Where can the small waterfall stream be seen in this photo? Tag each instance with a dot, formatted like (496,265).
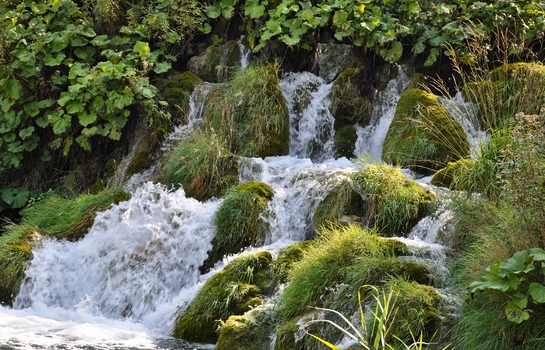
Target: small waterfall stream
(121,286)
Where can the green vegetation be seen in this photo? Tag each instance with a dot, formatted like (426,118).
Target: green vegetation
(239,221)
(202,166)
(348,107)
(15,252)
(423,136)
(232,291)
(250,113)
(248,332)
(395,203)
(340,202)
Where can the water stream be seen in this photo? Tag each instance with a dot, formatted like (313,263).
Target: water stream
(122,286)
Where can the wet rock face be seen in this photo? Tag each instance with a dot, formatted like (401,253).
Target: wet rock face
(217,63)
(331,60)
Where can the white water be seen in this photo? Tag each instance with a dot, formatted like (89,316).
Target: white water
(371,138)
(122,285)
(311,132)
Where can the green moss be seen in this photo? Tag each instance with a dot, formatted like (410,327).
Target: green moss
(417,81)
(343,200)
(15,252)
(232,291)
(248,332)
(423,136)
(416,309)
(287,258)
(250,113)
(286,336)
(345,141)
(177,92)
(202,166)
(347,106)
(445,177)
(239,221)
(395,203)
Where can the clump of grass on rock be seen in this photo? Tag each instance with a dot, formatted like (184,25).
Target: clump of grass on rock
(233,291)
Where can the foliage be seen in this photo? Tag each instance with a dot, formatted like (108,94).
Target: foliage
(16,198)
(387,26)
(523,172)
(395,202)
(202,166)
(240,220)
(233,291)
(250,112)
(514,276)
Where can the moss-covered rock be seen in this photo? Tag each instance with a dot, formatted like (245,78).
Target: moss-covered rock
(286,259)
(394,203)
(250,113)
(446,177)
(233,291)
(286,336)
(342,201)
(15,252)
(239,221)
(423,136)
(347,105)
(217,63)
(177,92)
(345,141)
(202,166)
(250,331)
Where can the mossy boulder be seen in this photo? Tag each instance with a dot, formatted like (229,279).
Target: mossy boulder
(250,113)
(288,336)
(217,63)
(446,177)
(233,291)
(250,331)
(177,91)
(423,136)
(340,202)
(202,166)
(394,203)
(345,142)
(348,106)
(15,253)
(239,221)
(286,259)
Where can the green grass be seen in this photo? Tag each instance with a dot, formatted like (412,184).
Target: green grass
(15,252)
(202,166)
(395,202)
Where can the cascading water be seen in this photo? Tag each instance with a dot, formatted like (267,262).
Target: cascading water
(123,284)
(311,132)
(371,138)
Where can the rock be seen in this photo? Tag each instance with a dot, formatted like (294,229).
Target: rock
(217,63)
(250,331)
(351,97)
(331,60)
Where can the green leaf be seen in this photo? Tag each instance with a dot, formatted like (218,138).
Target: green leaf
(516,314)
(26,132)
(394,53)
(518,263)
(74,107)
(537,291)
(141,48)
(274,27)
(61,122)
(51,61)
(55,144)
(67,145)
(419,47)
(162,67)
(46,155)
(60,40)
(86,118)
(254,8)
(89,52)
(16,197)
(6,103)
(42,122)
(340,18)
(12,88)
(101,41)
(537,254)
(12,160)
(213,11)
(520,300)
(83,142)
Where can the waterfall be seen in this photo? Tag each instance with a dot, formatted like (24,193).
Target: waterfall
(311,132)
(466,114)
(245,54)
(371,138)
